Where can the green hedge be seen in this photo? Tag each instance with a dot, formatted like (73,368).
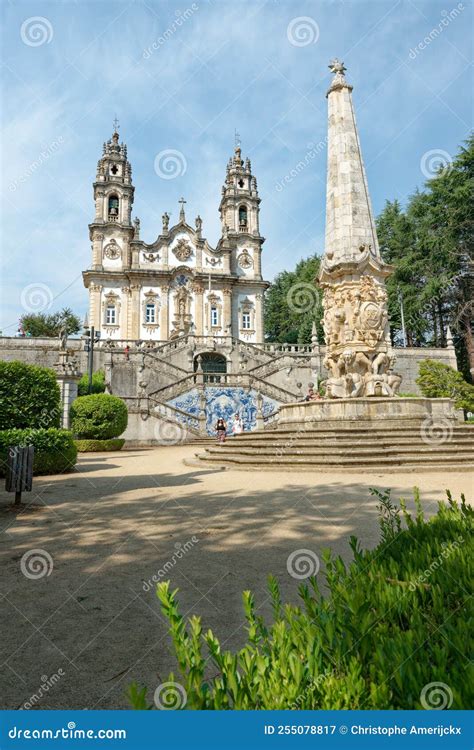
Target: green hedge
(99,416)
(393,622)
(95,446)
(437,380)
(29,396)
(98,383)
(55,451)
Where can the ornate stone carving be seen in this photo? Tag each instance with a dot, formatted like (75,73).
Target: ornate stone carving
(213,261)
(112,250)
(182,322)
(151,257)
(183,250)
(245,260)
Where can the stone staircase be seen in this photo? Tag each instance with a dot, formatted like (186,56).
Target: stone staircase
(319,448)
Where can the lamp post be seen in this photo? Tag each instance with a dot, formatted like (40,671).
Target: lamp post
(91,337)
(402,316)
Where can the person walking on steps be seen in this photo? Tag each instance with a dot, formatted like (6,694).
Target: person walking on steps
(237,425)
(221,429)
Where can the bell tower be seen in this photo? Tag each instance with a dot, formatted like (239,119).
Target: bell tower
(111,229)
(239,207)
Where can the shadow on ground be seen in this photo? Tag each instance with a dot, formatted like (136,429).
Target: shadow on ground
(122,519)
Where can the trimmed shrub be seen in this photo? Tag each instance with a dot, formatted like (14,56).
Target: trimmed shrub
(393,622)
(98,417)
(98,383)
(29,396)
(437,380)
(95,446)
(55,451)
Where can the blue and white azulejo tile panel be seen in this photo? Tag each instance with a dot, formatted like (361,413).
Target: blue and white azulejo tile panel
(224,403)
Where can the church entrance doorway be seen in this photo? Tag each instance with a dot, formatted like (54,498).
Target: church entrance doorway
(214,366)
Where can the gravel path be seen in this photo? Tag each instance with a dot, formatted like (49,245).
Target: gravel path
(85,617)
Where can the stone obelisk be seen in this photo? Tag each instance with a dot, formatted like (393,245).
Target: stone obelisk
(352,276)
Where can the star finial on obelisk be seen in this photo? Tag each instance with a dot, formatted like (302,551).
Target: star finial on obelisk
(338,68)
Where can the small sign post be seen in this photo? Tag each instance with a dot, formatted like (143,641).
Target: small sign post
(19,476)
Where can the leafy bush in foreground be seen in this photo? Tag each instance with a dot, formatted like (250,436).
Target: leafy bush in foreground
(55,451)
(393,622)
(95,446)
(29,396)
(98,417)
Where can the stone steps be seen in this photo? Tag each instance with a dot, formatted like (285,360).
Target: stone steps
(355,450)
(333,442)
(400,448)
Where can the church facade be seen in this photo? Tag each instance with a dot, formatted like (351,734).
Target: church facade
(177,285)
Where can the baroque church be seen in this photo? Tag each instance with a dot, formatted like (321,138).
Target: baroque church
(178,285)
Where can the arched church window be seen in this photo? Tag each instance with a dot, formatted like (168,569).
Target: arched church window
(110,314)
(243,216)
(113,206)
(150,313)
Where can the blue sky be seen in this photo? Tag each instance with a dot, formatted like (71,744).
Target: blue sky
(258,67)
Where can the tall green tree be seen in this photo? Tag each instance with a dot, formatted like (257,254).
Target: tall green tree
(293,303)
(41,324)
(430,245)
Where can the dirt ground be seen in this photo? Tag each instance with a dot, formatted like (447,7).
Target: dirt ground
(80,613)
